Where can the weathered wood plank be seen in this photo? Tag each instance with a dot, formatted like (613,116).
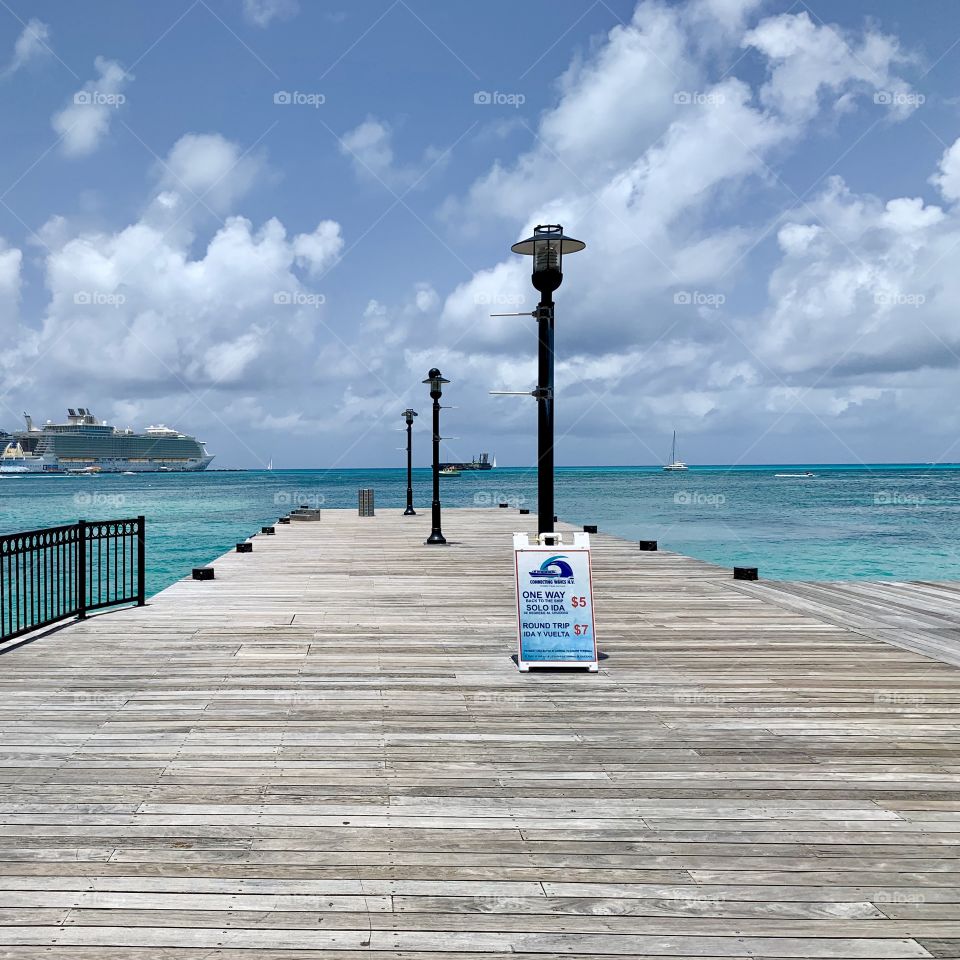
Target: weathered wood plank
(311,756)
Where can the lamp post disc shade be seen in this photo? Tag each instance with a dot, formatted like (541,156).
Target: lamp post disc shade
(567,244)
(434,376)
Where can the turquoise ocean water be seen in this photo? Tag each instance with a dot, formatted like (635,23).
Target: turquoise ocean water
(886,521)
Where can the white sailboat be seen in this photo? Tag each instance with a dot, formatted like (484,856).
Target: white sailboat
(675,464)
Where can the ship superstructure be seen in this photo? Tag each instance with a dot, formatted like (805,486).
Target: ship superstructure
(477,463)
(85,444)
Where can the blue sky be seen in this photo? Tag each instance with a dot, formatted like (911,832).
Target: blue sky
(768,192)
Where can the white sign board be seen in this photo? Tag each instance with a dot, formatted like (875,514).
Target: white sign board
(555,625)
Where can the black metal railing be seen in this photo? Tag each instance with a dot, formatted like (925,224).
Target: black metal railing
(59,572)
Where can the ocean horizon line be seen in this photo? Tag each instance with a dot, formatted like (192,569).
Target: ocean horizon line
(847,521)
(656,467)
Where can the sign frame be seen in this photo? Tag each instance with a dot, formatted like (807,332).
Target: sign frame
(580,547)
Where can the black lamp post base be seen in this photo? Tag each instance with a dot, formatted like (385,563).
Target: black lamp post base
(436,537)
(409,512)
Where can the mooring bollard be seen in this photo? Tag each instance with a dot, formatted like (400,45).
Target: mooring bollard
(524,510)
(746,573)
(503,506)
(365,502)
(245,548)
(269,531)
(648,544)
(203,573)
(589,528)
(283,520)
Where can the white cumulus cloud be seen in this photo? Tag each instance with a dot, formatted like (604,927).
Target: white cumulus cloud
(209,170)
(261,13)
(947,177)
(369,147)
(807,60)
(31,45)
(85,121)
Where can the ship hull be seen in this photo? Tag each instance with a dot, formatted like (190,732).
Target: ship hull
(41,465)
(131,466)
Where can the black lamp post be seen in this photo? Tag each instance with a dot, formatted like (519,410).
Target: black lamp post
(408,415)
(436,381)
(547,247)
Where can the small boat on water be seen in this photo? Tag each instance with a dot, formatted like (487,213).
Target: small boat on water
(449,472)
(795,476)
(675,465)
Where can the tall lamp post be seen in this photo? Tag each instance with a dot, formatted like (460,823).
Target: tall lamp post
(436,381)
(547,247)
(408,415)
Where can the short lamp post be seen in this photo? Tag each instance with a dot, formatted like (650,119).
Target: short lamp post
(436,381)
(547,247)
(408,415)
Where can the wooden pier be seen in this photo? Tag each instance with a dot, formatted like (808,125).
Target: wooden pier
(327,751)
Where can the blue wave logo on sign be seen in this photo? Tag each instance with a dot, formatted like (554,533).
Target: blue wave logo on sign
(556,566)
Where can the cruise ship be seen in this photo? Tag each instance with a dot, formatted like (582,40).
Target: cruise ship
(86,445)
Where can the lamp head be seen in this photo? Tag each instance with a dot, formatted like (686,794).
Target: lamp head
(547,247)
(436,380)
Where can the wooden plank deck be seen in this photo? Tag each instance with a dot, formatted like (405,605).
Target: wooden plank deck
(924,617)
(327,751)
